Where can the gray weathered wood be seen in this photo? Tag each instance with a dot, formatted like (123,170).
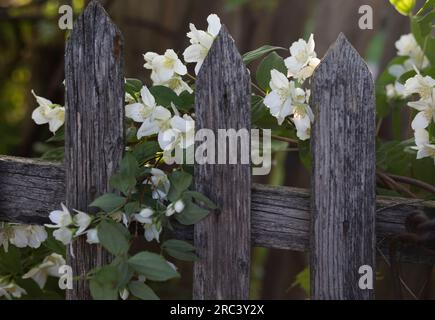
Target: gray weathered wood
(94,124)
(280,216)
(344,165)
(29,189)
(223,238)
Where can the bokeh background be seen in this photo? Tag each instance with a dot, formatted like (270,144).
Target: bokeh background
(32,57)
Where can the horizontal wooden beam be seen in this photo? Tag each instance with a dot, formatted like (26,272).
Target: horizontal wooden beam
(29,189)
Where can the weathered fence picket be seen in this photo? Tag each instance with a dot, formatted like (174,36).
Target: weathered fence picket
(94,139)
(344,166)
(341,212)
(223,102)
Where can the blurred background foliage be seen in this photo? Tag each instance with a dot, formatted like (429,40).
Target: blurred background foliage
(32,53)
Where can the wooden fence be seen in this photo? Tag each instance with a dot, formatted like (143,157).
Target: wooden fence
(336,224)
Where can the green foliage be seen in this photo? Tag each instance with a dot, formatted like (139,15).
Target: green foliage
(180,182)
(165,96)
(258,53)
(142,291)
(152,266)
(105,284)
(272,61)
(108,202)
(180,250)
(114,237)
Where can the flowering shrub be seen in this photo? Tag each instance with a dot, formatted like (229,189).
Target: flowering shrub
(161,120)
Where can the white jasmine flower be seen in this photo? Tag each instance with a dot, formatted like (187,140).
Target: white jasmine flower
(181,134)
(120,216)
(144,216)
(48,112)
(10,289)
(92,236)
(201,41)
(159,183)
(82,220)
(179,206)
(49,267)
(158,121)
(164,67)
(303,59)
(63,235)
(139,112)
(124,294)
(396,90)
(28,236)
(177,84)
(60,218)
(421,85)
(285,99)
(408,46)
(152,232)
(176,207)
(426,113)
(423,147)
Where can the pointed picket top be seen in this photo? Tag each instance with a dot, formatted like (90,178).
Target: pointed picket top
(223,101)
(94,126)
(341,58)
(224,56)
(343,183)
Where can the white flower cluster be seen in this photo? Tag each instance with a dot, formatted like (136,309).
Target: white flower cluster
(48,112)
(9,289)
(49,267)
(160,185)
(68,227)
(408,47)
(424,87)
(21,236)
(286,98)
(173,131)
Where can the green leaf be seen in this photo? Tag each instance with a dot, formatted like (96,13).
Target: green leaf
(59,136)
(54,154)
(145,151)
(186,101)
(191,214)
(164,96)
(122,183)
(129,165)
(113,237)
(142,291)
(131,207)
(258,53)
(201,198)
(429,4)
(133,86)
(272,61)
(403,6)
(10,262)
(152,266)
(108,202)
(104,285)
(305,153)
(180,250)
(180,181)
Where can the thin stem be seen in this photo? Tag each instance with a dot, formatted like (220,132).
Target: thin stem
(284,139)
(414,182)
(258,88)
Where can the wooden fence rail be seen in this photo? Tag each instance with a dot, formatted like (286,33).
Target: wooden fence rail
(342,225)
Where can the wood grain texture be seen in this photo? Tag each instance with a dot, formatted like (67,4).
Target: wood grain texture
(94,124)
(223,239)
(280,216)
(29,189)
(344,164)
